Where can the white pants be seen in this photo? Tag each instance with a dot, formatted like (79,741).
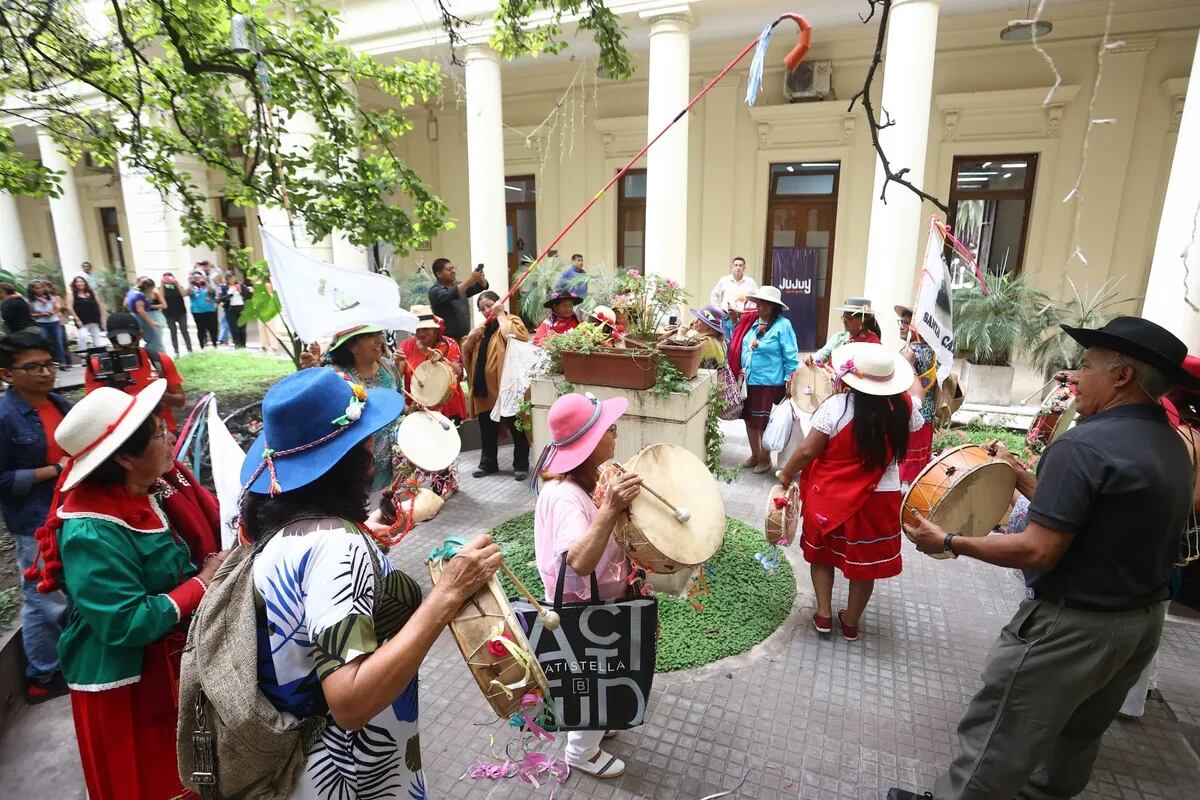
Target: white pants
(583,745)
(88,335)
(1135,700)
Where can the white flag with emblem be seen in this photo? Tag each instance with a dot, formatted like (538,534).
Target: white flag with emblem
(320,299)
(933,315)
(226,457)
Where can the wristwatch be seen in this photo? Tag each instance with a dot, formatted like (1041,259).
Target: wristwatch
(947,545)
(58,469)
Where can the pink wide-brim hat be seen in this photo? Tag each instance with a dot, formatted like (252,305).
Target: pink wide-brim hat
(576,424)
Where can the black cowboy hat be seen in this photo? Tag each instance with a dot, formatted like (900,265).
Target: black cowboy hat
(1142,340)
(557,296)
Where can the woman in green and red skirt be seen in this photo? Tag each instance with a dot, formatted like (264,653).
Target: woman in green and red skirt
(110,544)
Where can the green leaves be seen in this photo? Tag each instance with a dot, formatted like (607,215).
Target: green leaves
(992,328)
(518,34)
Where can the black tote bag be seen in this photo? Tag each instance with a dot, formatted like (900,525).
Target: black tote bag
(600,661)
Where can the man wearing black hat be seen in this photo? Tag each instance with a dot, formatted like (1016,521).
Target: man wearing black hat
(130,367)
(1109,506)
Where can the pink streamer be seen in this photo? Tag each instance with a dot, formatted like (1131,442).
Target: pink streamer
(531,703)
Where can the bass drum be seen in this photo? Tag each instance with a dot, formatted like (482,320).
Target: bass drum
(964,490)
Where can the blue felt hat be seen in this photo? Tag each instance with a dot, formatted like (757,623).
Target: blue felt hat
(320,411)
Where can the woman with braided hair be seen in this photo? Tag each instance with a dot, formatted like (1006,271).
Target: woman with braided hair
(133,584)
(850,481)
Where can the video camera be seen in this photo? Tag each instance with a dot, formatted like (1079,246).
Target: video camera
(114,366)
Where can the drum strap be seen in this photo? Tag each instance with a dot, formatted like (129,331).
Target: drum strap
(562,577)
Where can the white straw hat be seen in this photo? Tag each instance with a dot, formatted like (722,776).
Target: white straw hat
(768,294)
(872,369)
(100,423)
(426,318)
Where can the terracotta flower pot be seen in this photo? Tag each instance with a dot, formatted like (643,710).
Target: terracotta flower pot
(620,369)
(685,357)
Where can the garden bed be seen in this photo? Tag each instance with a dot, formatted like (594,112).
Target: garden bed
(744,604)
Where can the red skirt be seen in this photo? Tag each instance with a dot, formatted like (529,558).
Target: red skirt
(127,735)
(759,402)
(865,547)
(920,450)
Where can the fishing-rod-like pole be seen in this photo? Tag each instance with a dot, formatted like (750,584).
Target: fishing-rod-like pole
(791,60)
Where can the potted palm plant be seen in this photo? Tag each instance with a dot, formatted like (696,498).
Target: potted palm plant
(991,328)
(1056,350)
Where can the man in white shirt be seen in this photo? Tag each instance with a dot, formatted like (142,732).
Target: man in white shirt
(731,291)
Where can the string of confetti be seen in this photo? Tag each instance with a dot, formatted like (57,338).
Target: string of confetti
(1076,192)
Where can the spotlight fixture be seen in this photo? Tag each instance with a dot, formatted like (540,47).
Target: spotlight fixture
(1023,30)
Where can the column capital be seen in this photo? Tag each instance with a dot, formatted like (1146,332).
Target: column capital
(480,52)
(675,19)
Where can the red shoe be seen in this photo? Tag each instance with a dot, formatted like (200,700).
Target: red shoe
(40,691)
(849,632)
(822,624)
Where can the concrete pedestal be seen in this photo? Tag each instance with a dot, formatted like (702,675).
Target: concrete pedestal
(988,386)
(677,419)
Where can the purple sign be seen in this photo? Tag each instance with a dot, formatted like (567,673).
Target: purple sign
(794,273)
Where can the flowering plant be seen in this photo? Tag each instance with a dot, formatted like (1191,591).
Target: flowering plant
(646,302)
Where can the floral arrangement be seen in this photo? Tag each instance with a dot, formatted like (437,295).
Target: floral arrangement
(646,302)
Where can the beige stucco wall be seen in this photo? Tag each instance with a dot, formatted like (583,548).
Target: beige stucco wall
(987,100)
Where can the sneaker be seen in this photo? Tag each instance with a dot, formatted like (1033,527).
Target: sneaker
(904,794)
(483,472)
(521,475)
(849,632)
(602,765)
(39,691)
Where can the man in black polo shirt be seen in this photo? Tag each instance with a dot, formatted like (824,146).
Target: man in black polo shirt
(1109,505)
(448,297)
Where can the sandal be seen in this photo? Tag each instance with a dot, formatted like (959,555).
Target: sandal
(750,462)
(603,766)
(849,632)
(762,468)
(609,734)
(822,624)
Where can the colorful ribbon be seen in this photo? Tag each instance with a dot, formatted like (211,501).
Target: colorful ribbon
(754,82)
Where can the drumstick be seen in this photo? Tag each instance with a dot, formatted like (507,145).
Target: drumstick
(445,423)
(681,512)
(550,618)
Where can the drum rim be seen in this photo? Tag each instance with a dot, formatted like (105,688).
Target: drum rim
(804,401)
(1068,413)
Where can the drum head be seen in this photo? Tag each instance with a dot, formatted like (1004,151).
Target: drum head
(429,440)
(679,476)
(430,384)
(977,501)
(810,387)
(1065,420)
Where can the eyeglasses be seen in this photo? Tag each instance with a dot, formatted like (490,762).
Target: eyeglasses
(39,367)
(162,432)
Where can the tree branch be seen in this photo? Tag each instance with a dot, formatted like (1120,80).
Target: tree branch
(874,125)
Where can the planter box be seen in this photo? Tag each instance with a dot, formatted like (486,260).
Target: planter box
(676,419)
(686,358)
(988,386)
(619,369)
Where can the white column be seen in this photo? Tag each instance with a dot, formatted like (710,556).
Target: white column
(155,235)
(667,161)
(894,239)
(13,255)
(485,167)
(1166,302)
(65,210)
(301,130)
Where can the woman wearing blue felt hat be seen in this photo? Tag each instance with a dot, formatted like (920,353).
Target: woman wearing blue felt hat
(331,642)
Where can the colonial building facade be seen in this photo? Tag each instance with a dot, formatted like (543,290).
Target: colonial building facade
(1079,163)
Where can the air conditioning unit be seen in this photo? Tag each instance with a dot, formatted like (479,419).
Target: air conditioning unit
(809,81)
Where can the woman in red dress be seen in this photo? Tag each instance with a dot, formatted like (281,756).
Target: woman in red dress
(849,479)
(429,343)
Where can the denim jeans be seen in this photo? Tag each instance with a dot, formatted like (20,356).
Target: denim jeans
(41,617)
(223,337)
(56,335)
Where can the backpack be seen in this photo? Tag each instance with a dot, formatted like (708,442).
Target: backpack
(231,742)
